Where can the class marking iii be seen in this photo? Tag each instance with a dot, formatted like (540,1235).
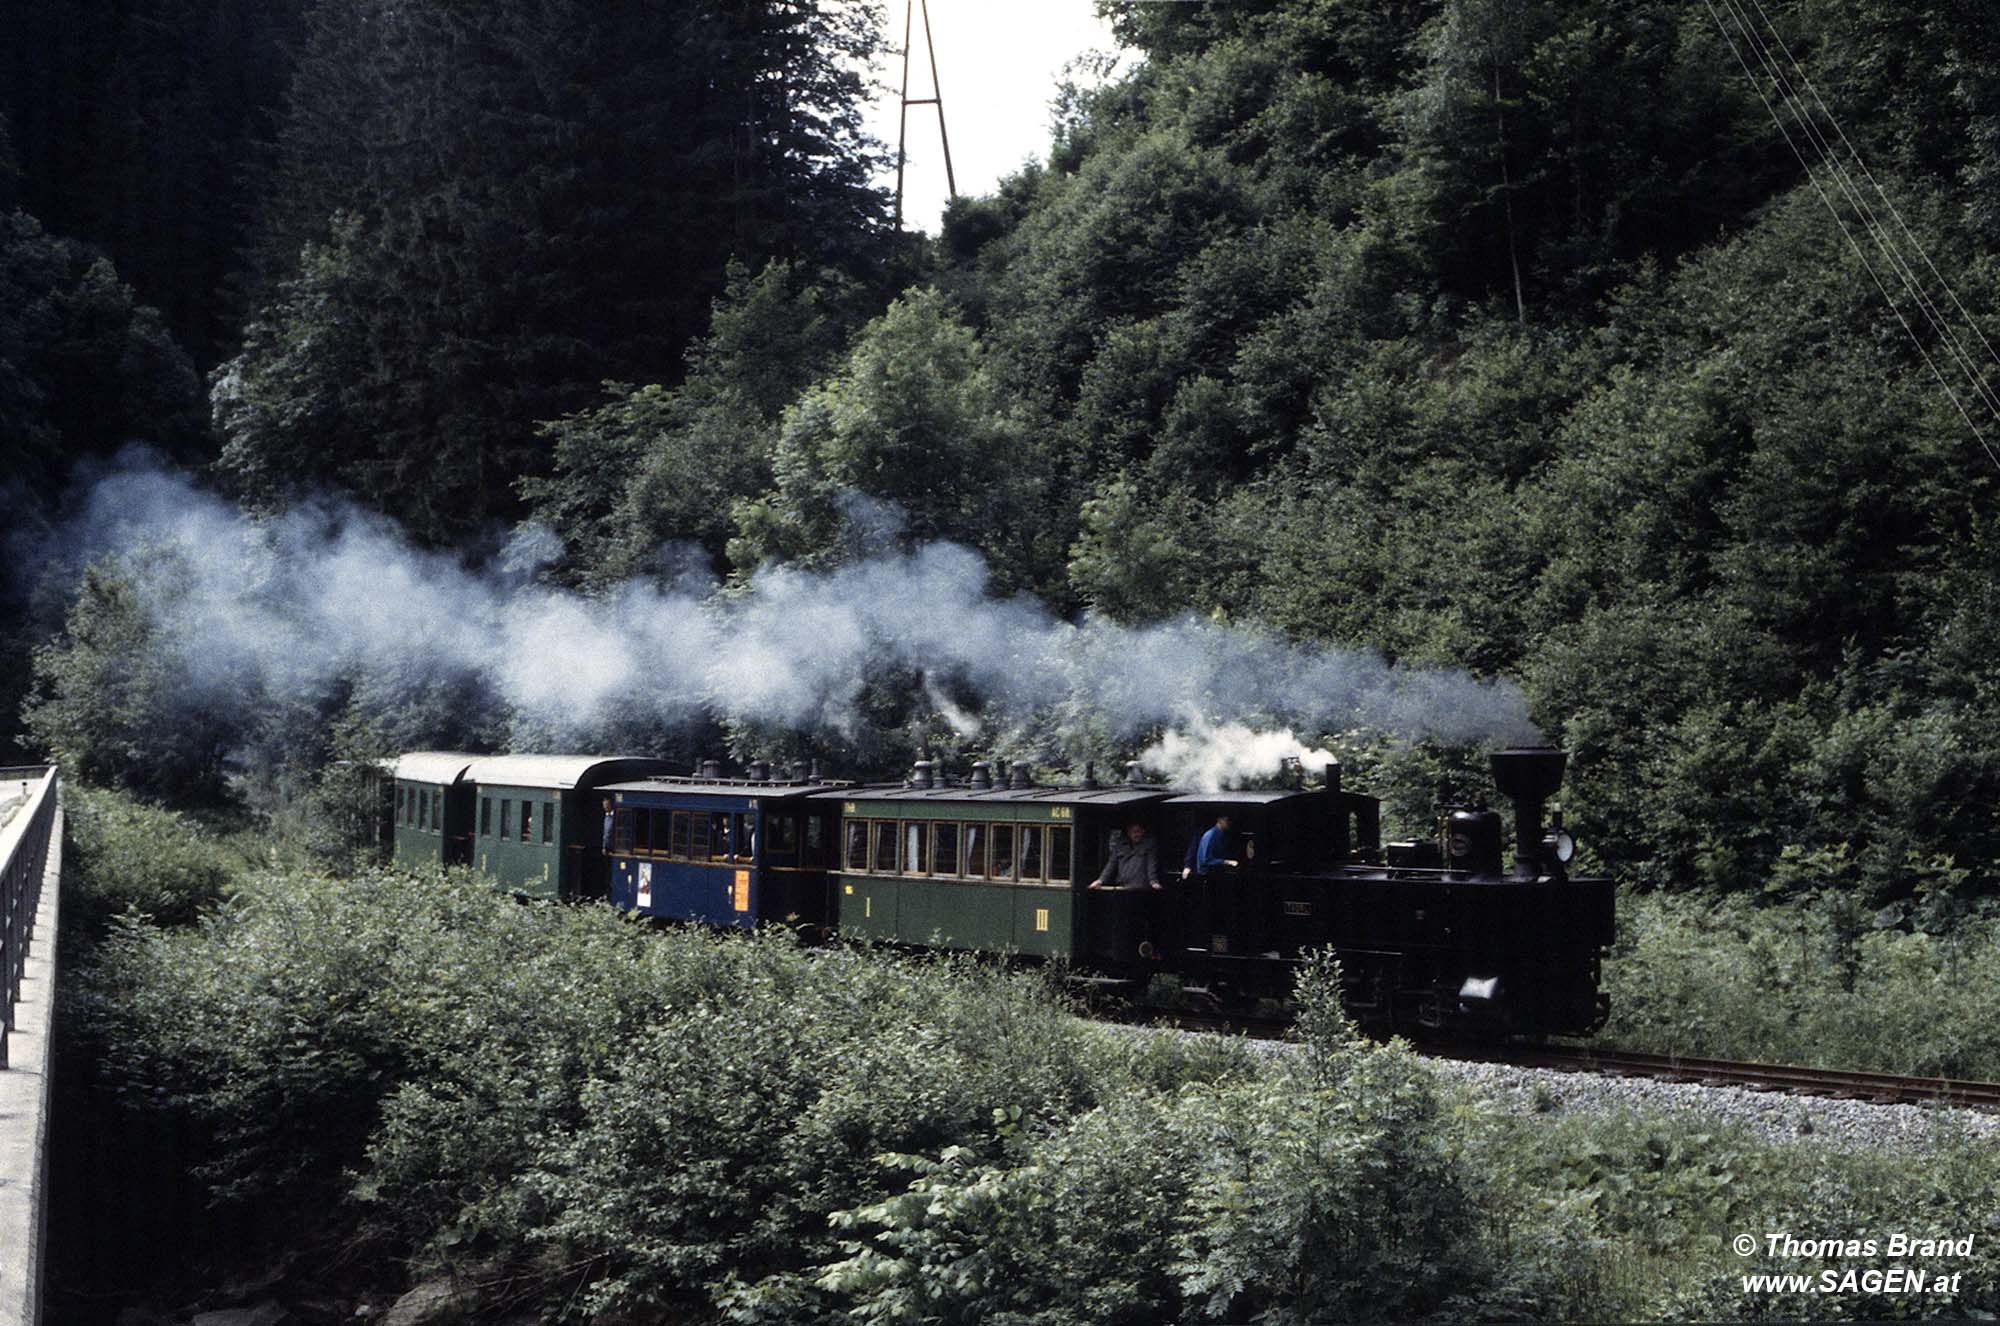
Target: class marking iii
(742,891)
(1298,909)
(1041,918)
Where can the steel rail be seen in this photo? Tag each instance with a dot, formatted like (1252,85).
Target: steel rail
(1790,1079)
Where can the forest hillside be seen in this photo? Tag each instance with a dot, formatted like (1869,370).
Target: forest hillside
(1528,351)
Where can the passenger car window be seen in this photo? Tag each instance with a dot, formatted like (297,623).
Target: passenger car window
(1003,851)
(857,844)
(944,856)
(548,821)
(1059,843)
(975,851)
(885,847)
(1031,852)
(485,816)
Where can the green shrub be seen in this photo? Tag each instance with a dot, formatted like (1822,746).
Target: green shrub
(1812,982)
(122,855)
(558,1086)
(1663,1199)
(1332,1186)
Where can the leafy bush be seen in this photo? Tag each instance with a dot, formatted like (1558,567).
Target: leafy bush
(1814,982)
(1330,1187)
(556,1085)
(1664,1199)
(123,855)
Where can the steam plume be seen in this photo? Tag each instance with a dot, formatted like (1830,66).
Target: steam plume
(1211,756)
(300,603)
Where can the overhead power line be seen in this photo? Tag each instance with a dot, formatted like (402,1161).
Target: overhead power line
(1833,169)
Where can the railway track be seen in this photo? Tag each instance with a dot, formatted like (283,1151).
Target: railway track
(1788,1079)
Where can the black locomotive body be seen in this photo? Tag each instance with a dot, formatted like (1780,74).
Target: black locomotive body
(1440,935)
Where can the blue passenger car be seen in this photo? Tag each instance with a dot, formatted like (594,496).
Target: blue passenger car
(726,851)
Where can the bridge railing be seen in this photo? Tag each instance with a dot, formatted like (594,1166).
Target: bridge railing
(29,796)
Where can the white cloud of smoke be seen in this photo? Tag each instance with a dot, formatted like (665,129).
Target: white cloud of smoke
(1209,756)
(295,604)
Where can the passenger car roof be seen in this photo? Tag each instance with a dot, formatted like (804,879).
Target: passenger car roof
(433,766)
(557,771)
(731,787)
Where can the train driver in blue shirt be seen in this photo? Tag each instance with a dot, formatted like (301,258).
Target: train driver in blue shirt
(1212,852)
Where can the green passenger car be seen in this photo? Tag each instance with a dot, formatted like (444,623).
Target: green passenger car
(981,867)
(432,809)
(536,825)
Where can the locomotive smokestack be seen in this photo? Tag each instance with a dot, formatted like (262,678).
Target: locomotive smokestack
(1528,776)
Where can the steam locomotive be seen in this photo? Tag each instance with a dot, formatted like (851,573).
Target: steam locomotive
(1436,934)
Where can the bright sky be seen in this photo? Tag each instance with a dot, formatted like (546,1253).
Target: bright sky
(999,62)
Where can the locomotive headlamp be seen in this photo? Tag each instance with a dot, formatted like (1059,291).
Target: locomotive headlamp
(1559,844)
(1480,990)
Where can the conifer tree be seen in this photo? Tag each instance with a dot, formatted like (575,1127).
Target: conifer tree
(538,198)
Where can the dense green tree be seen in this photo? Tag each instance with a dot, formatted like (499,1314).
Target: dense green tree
(659,466)
(911,440)
(138,125)
(542,199)
(116,701)
(85,368)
